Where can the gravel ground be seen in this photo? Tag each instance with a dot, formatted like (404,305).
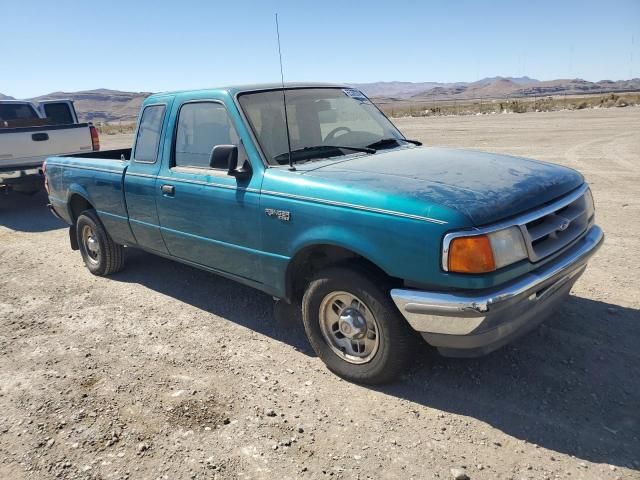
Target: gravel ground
(164,371)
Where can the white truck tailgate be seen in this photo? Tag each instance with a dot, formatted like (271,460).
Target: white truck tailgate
(28,147)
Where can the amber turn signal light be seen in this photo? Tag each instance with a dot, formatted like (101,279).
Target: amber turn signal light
(471,255)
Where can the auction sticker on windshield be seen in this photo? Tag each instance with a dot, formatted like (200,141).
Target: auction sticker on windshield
(353,93)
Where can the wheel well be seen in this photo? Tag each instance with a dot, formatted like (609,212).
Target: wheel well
(317,257)
(77,205)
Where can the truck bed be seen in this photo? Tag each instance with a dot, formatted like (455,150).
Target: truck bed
(97,177)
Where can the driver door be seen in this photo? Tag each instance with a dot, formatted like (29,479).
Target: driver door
(206,216)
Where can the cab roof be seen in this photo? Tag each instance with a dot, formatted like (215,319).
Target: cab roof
(236,89)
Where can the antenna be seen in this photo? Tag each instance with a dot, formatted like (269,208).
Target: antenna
(631,60)
(284,98)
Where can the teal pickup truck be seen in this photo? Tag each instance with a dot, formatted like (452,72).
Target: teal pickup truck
(332,207)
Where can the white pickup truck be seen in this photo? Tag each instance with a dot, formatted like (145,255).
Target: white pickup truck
(29,133)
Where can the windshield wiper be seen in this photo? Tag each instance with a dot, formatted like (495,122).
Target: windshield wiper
(355,149)
(308,153)
(384,142)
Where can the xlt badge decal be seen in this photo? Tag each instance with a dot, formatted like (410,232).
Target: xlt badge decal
(283,215)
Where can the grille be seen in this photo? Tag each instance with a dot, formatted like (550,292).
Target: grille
(557,228)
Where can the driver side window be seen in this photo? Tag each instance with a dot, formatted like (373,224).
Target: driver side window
(343,115)
(202,126)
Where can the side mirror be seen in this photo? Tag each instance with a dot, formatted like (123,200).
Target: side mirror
(226,156)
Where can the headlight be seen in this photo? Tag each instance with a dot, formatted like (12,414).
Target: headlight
(484,253)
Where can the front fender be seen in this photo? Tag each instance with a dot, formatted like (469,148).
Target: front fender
(337,236)
(402,248)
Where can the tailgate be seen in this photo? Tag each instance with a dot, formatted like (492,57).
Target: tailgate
(28,147)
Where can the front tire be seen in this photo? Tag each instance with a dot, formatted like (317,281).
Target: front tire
(100,253)
(354,327)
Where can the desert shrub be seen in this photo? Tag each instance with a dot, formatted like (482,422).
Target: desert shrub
(582,105)
(115,128)
(621,103)
(517,107)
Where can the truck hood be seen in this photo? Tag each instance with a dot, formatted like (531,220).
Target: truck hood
(485,187)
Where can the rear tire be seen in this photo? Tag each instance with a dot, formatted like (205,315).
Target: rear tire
(100,253)
(355,328)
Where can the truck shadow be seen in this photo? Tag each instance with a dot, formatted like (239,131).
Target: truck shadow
(571,386)
(217,295)
(27,213)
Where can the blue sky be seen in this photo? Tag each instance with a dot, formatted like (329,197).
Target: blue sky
(156,46)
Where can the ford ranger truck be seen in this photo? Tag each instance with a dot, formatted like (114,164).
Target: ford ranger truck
(30,132)
(383,242)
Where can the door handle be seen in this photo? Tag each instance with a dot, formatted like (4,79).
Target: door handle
(169,190)
(40,137)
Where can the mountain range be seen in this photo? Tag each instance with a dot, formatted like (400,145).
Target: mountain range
(409,89)
(103,105)
(493,87)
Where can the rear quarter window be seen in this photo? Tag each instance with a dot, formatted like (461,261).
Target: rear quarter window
(149,132)
(58,113)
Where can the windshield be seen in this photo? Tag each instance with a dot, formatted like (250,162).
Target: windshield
(317,117)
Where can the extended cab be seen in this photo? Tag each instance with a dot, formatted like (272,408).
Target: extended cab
(31,132)
(376,236)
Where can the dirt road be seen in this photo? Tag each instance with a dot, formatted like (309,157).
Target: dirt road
(164,371)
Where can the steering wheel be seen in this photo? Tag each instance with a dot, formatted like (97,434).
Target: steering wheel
(332,134)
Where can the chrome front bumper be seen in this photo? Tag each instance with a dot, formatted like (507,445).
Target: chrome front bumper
(472,323)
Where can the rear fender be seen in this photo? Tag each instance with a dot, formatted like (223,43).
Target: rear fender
(76,189)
